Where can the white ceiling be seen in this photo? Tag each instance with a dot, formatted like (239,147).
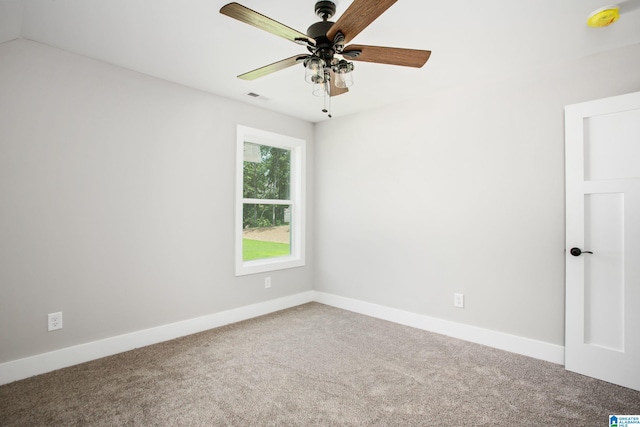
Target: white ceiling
(189,42)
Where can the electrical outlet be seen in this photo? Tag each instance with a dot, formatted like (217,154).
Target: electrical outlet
(267,282)
(54,321)
(458,300)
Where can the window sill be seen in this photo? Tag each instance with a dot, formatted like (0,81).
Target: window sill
(268,264)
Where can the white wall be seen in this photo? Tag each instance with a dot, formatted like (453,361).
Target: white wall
(462,191)
(117,201)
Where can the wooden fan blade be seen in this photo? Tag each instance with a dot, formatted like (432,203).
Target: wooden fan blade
(335,90)
(387,55)
(357,17)
(251,17)
(272,68)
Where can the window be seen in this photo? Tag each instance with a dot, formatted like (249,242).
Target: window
(269,201)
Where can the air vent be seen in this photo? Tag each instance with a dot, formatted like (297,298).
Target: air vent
(257,96)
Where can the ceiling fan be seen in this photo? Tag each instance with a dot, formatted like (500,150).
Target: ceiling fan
(327,65)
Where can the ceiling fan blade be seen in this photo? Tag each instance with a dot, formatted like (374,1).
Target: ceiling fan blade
(335,90)
(357,17)
(387,55)
(272,68)
(251,17)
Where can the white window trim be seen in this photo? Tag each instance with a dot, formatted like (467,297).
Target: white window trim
(297,200)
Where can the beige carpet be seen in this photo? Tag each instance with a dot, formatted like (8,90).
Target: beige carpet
(314,365)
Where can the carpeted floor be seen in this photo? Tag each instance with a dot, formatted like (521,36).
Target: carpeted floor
(314,365)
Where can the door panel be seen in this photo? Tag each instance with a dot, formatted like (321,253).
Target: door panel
(604,273)
(609,150)
(602,142)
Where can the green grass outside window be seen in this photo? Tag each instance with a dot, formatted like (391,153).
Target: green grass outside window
(258,249)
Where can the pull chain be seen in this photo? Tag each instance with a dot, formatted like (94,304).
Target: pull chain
(327,95)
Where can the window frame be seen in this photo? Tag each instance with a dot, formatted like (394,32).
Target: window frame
(296,200)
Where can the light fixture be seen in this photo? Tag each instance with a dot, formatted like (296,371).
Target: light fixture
(328,67)
(344,74)
(314,69)
(320,67)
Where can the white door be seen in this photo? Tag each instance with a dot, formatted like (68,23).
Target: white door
(602,143)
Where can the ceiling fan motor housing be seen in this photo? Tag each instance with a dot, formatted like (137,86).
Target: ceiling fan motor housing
(324,47)
(319,30)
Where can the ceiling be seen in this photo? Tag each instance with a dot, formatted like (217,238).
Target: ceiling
(189,42)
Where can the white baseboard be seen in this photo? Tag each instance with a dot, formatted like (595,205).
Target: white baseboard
(512,343)
(47,362)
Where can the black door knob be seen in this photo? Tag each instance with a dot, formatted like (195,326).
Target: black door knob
(578,252)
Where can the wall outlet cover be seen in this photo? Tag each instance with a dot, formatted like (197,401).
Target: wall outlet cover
(54,321)
(458,300)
